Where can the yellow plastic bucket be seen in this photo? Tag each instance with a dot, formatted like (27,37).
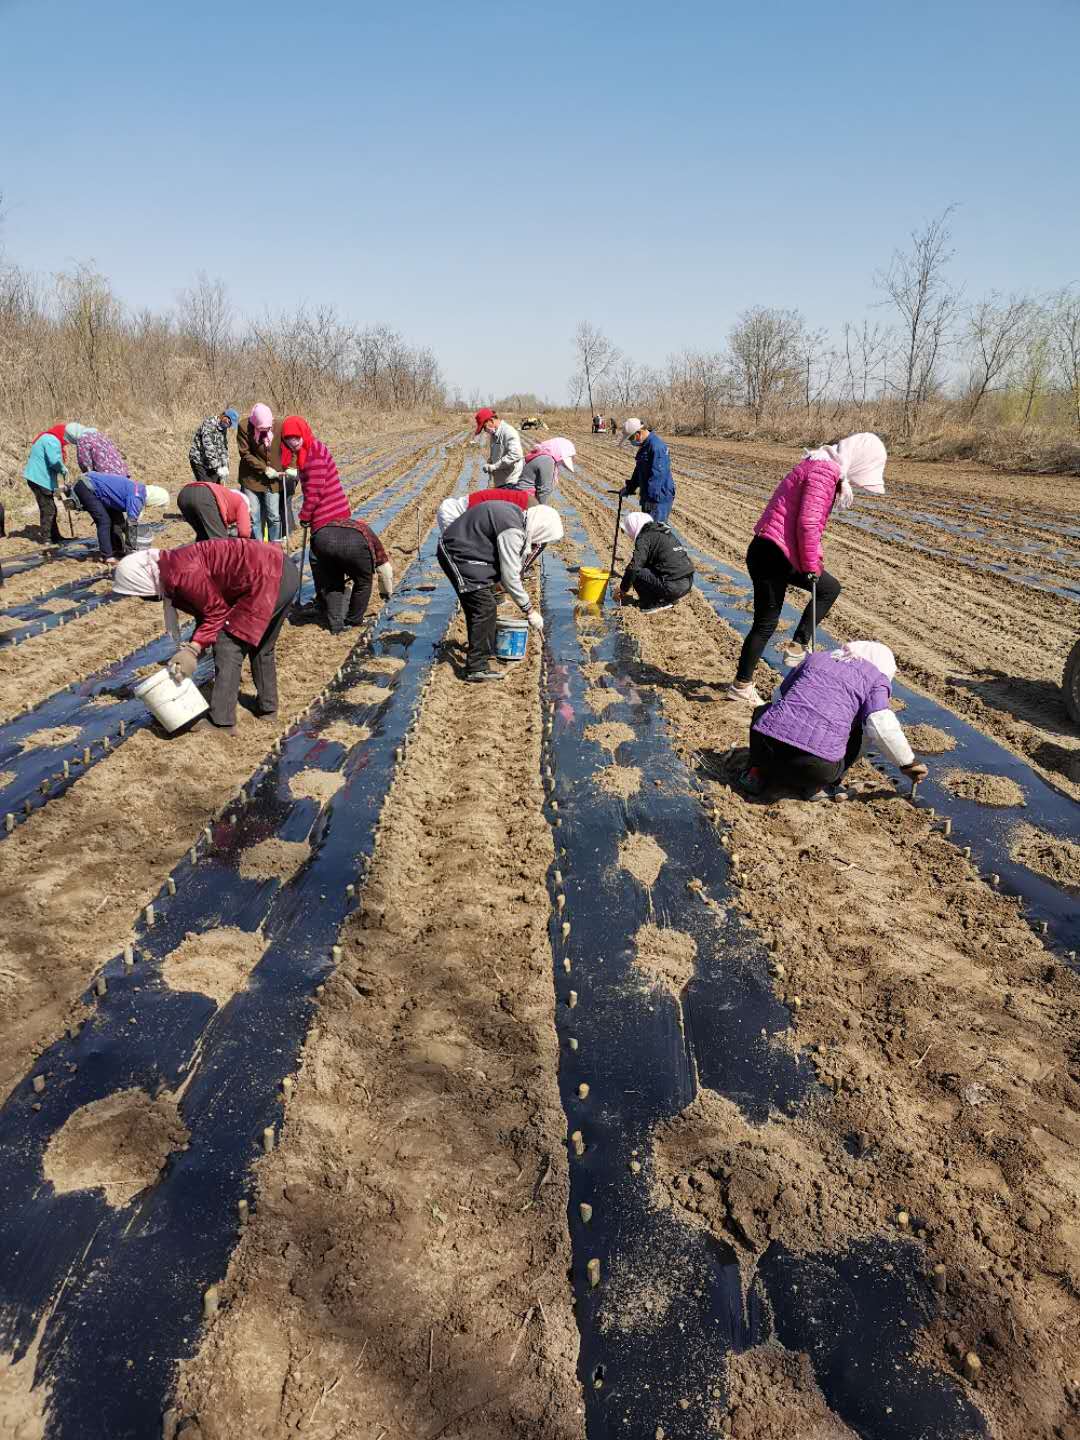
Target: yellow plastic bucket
(591,583)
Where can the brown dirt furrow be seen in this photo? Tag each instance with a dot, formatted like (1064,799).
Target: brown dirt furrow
(944,1028)
(990,650)
(35,669)
(76,874)
(407,1257)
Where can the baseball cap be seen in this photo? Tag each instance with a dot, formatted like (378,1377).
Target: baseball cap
(482,417)
(630,427)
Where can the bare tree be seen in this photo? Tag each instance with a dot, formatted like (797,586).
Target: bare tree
(820,362)
(766,347)
(1065,339)
(1035,363)
(596,356)
(994,335)
(865,351)
(205,320)
(916,285)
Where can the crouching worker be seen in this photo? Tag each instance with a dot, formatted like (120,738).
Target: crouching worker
(455,506)
(239,592)
(828,708)
(660,570)
(210,509)
(493,544)
(114,502)
(345,551)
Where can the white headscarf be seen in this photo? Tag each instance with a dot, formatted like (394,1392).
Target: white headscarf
(138,574)
(156,495)
(635,522)
(451,509)
(880,656)
(861,459)
(543,525)
(74,432)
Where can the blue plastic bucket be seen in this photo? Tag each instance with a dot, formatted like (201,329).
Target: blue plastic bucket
(511,639)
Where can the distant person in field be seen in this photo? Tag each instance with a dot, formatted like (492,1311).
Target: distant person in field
(259,476)
(239,592)
(488,546)
(612,426)
(455,506)
(652,478)
(212,510)
(786,548)
(826,710)
(209,452)
(506,456)
(540,473)
(660,570)
(114,503)
(43,472)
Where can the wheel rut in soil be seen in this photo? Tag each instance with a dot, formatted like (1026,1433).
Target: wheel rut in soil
(633,1058)
(39,774)
(120,1290)
(984,835)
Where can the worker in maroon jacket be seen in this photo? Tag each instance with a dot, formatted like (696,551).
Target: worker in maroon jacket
(239,592)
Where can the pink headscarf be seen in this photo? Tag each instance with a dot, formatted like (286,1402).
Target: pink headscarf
(138,574)
(561,451)
(861,459)
(634,523)
(261,424)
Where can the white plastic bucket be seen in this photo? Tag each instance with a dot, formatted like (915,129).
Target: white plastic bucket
(171,704)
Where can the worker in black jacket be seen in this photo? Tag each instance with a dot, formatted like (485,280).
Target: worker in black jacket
(660,569)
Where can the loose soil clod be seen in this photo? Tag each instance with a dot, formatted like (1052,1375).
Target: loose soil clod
(118,1144)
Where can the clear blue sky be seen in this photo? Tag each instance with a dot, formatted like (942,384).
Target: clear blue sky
(483,175)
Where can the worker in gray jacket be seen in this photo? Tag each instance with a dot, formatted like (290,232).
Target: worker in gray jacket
(506,457)
(491,544)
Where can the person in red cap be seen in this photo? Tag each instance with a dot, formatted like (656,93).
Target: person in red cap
(506,459)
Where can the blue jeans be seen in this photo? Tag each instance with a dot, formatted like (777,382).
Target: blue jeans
(658,509)
(265,510)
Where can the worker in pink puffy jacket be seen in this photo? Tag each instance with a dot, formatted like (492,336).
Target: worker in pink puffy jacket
(786,548)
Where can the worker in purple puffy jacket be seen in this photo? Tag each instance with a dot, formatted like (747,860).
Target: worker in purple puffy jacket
(826,710)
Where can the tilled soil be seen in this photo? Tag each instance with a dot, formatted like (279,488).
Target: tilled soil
(406,1262)
(944,1030)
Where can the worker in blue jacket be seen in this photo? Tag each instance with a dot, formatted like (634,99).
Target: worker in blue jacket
(652,470)
(112,501)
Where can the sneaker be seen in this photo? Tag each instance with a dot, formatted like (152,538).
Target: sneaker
(476,676)
(793,653)
(655,609)
(748,693)
(829,792)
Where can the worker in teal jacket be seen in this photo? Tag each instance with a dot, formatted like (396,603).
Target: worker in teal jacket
(652,477)
(43,471)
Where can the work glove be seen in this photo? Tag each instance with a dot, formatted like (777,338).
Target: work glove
(223,472)
(271,474)
(488,469)
(385,575)
(536,620)
(915,771)
(291,473)
(183,664)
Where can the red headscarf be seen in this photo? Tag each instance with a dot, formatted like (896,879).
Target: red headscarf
(57,430)
(295,425)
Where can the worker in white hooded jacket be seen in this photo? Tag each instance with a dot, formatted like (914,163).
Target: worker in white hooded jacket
(490,545)
(506,458)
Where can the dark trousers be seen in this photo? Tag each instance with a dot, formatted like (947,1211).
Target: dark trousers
(229,656)
(110,524)
(772,573)
(46,504)
(199,508)
(340,554)
(795,769)
(653,589)
(201,473)
(658,509)
(481,616)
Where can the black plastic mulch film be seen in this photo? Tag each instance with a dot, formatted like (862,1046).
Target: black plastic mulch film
(642,1056)
(119,1292)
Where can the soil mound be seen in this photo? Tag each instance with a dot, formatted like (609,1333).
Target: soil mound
(273,859)
(118,1144)
(321,785)
(1057,859)
(983,789)
(665,956)
(215,963)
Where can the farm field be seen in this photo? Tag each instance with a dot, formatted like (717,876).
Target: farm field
(436,1060)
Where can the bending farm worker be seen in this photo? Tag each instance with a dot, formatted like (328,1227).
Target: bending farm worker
(786,548)
(455,505)
(540,473)
(210,509)
(506,456)
(325,502)
(814,731)
(239,592)
(491,544)
(344,551)
(43,471)
(652,478)
(660,570)
(260,475)
(95,452)
(114,502)
(209,452)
